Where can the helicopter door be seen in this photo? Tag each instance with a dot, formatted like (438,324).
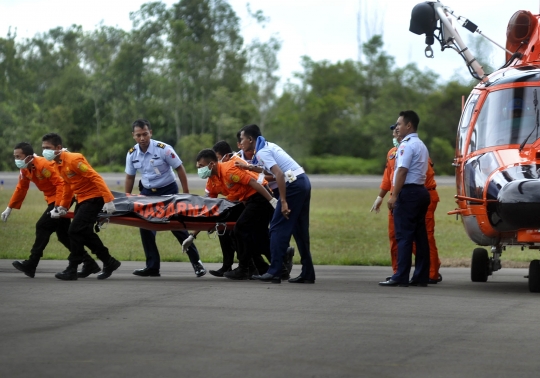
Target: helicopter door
(461,147)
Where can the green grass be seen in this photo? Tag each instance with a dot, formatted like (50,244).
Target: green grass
(343,232)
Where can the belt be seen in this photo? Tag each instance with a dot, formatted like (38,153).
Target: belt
(156,189)
(413,185)
(299,171)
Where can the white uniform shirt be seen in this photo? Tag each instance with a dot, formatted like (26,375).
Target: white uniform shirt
(413,155)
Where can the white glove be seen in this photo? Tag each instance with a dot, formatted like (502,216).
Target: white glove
(6,213)
(58,212)
(187,243)
(273,202)
(376,205)
(109,207)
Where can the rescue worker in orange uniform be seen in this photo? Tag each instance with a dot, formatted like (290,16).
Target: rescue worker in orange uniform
(431,185)
(43,174)
(93,196)
(259,209)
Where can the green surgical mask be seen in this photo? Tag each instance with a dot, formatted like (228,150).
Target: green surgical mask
(396,143)
(204,172)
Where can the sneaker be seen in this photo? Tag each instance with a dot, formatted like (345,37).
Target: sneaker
(220,271)
(70,274)
(108,268)
(25,267)
(240,273)
(198,267)
(90,267)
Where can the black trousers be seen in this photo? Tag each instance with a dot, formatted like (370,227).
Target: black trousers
(228,247)
(148,237)
(251,232)
(81,232)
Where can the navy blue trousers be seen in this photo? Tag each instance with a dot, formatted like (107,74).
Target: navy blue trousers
(148,237)
(410,225)
(281,228)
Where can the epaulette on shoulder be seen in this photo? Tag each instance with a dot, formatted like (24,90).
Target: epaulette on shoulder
(131,150)
(160,145)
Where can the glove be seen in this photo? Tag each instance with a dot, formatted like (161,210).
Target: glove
(109,207)
(58,212)
(376,205)
(6,213)
(187,243)
(273,202)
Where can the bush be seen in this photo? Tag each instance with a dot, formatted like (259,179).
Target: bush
(341,165)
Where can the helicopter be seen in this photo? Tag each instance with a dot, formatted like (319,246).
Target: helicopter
(497,155)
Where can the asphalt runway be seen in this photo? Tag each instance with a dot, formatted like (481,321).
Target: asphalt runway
(9,180)
(344,325)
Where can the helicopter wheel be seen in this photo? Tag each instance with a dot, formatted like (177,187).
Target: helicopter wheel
(534,276)
(480,265)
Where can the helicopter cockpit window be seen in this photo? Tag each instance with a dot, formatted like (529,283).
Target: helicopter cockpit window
(507,117)
(464,123)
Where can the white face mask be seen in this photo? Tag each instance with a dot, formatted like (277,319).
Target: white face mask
(21,164)
(395,142)
(49,154)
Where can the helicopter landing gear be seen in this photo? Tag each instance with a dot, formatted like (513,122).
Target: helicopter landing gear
(480,265)
(534,276)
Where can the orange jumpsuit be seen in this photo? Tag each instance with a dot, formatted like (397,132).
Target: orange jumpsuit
(81,179)
(430,184)
(46,179)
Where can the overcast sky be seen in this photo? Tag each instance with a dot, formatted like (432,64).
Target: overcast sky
(320,29)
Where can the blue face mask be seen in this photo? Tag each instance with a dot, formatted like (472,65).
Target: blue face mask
(396,143)
(49,154)
(204,172)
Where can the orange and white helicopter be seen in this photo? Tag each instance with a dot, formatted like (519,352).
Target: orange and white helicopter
(497,157)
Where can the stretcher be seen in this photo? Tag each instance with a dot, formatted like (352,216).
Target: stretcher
(172,212)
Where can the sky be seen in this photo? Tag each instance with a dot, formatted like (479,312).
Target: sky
(320,29)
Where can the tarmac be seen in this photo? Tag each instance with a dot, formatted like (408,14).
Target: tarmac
(344,325)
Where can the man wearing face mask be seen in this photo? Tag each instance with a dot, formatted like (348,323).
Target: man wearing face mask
(43,174)
(431,185)
(239,185)
(93,197)
(156,161)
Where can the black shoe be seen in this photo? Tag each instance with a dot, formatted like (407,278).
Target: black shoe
(240,273)
(433,282)
(108,268)
(70,274)
(388,278)
(146,272)
(198,267)
(393,283)
(88,269)
(301,279)
(285,274)
(267,277)
(252,272)
(289,261)
(220,271)
(25,267)
(439,279)
(416,283)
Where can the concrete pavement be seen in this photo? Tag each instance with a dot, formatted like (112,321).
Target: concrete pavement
(345,325)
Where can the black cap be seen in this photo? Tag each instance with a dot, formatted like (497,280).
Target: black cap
(392,127)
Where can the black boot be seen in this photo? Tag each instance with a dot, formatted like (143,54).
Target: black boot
(108,268)
(26,266)
(89,267)
(220,271)
(240,273)
(70,274)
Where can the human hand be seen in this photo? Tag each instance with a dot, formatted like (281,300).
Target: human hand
(376,205)
(6,213)
(109,207)
(58,212)
(285,209)
(187,243)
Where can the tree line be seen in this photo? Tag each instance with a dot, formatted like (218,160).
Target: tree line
(187,70)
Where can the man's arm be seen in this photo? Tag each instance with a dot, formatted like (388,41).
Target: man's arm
(128,184)
(260,189)
(282,187)
(400,175)
(181,171)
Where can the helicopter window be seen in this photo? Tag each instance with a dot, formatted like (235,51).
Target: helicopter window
(464,122)
(507,117)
